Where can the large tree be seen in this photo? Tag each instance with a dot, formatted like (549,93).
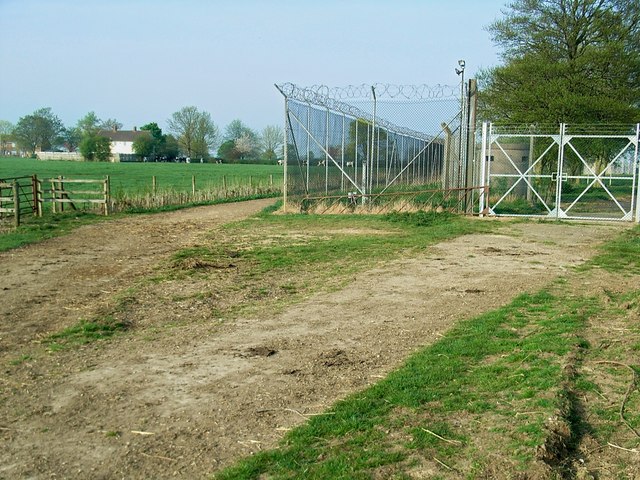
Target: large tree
(152,145)
(197,134)
(94,147)
(40,130)
(575,61)
(271,142)
(237,129)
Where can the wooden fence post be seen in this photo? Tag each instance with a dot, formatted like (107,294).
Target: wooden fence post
(16,203)
(224,185)
(154,184)
(61,193)
(54,207)
(37,195)
(271,180)
(107,195)
(193,185)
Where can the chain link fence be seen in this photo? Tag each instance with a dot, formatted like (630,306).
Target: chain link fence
(377,147)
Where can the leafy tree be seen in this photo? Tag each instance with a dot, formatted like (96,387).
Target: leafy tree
(236,129)
(71,138)
(571,61)
(6,134)
(152,145)
(271,142)
(41,129)
(197,134)
(245,146)
(171,147)
(94,147)
(145,146)
(88,124)
(227,151)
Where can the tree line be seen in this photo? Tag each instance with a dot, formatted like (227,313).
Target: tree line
(562,61)
(192,133)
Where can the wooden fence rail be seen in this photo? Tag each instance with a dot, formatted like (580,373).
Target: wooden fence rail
(62,195)
(10,200)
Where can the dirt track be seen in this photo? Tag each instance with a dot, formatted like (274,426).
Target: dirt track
(184,401)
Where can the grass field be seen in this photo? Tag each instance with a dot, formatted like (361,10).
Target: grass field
(136,178)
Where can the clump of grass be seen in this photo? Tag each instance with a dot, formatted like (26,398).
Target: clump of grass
(85,332)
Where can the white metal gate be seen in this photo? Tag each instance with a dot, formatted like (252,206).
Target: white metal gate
(574,172)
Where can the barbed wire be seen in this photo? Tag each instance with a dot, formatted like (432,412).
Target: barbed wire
(331,99)
(365,92)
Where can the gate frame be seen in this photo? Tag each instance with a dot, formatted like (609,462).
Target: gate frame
(563,140)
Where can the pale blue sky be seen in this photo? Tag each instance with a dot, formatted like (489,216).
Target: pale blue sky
(141,60)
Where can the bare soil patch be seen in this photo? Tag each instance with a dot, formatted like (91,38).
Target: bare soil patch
(188,398)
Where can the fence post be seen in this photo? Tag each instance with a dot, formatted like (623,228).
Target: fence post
(271,181)
(61,192)
(193,185)
(38,197)
(154,184)
(16,203)
(107,194)
(224,185)
(53,196)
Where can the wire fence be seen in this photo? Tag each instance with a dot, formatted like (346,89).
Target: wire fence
(367,141)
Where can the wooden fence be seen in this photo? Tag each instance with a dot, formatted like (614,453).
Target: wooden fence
(72,191)
(66,194)
(10,200)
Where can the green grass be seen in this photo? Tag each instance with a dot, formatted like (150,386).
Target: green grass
(136,178)
(84,332)
(620,255)
(289,256)
(504,362)
(486,388)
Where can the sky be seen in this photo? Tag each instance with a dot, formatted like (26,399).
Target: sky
(139,61)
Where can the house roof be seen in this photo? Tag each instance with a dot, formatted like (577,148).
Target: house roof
(123,135)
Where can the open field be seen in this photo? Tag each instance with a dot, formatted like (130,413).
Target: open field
(174,345)
(136,178)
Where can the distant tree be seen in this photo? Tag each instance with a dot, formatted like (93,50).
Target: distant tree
(565,61)
(195,131)
(227,151)
(145,146)
(110,124)
(236,129)
(41,129)
(6,135)
(245,145)
(90,123)
(152,145)
(94,147)
(271,142)
(71,138)
(171,146)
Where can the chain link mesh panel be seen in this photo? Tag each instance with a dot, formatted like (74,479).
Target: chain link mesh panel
(369,141)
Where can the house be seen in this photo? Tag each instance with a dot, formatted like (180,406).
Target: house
(122,143)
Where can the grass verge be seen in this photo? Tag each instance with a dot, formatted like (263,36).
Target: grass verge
(546,387)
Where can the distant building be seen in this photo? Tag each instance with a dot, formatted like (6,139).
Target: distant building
(122,142)
(10,148)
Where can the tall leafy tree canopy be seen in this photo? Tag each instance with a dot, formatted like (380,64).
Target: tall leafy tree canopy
(565,61)
(41,129)
(196,132)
